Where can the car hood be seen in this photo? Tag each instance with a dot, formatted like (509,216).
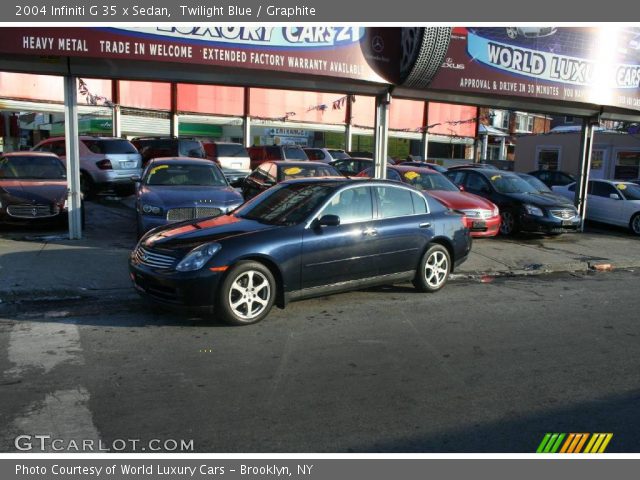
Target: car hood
(461,200)
(40,191)
(196,232)
(166,197)
(542,199)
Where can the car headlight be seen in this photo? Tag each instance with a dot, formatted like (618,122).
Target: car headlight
(151,210)
(535,211)
(196,258)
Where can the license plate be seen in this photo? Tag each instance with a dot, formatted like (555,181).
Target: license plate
(236,165)
(128,164)
(567,223)
(478,224)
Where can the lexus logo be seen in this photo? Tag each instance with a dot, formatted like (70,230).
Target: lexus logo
(377,44)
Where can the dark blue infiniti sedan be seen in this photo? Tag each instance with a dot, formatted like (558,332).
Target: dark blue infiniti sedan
(300,239)
(175,189)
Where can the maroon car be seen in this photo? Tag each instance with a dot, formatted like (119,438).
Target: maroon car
(33,188)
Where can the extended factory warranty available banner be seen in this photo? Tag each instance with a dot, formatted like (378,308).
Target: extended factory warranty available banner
(599,65)
(344,52)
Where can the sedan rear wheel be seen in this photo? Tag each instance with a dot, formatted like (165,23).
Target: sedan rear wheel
(635,224)
(434,269)
(247,294)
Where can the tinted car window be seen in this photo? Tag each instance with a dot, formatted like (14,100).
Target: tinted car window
(456,177)
(394,202)
(602,189)
(286,204)
(338,154)
(110,146)
(294,153)
(351,205)
(231,150)
(314,154)
(476,182)
(572,188)
(301,171)
(562,178)
(419,203)
(191,148)
(179,175)
(37,168)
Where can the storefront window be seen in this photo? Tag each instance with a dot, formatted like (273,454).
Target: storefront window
(627,165)
(548,159)
(597,158)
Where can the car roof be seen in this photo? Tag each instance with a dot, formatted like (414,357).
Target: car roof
(300,163)
(348,181)
(488,172)
(411,168)
(86,137)
(181,161)
(29,154)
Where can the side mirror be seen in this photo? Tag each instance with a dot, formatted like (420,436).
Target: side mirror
(461,187)
(614,196)
(328,221)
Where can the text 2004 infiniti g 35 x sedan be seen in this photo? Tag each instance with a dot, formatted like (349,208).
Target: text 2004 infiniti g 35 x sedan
(300,239)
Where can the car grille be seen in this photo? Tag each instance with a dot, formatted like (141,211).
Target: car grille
(152,259)
(189,213)
(563,213)
(33,211)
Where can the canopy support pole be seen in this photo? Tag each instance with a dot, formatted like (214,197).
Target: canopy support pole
(74,197)
(425,133)
(246,118)
(381,135)
(586,143)
(116,115)
(173,119)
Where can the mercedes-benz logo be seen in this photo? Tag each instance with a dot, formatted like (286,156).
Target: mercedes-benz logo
(34,211)
(377,44)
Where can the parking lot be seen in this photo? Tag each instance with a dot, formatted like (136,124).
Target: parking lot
(528,337)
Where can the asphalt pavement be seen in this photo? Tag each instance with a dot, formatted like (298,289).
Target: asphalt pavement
(485,365)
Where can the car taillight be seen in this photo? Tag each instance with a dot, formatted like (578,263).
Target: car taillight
(104,164)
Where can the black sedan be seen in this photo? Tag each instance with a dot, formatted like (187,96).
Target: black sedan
(522,206)
(303,238)
(33,188)
(269,174)
(553,178)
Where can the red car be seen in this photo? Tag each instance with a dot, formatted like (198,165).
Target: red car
(482,217)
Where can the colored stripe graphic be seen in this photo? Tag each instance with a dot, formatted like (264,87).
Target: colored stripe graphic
(574,443)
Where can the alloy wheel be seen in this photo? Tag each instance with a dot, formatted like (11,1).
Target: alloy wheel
(635,224)
(249,294)
(506,226)
(436,269)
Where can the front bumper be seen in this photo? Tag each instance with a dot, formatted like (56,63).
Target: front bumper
(483,227)
(548,223)
(181,289)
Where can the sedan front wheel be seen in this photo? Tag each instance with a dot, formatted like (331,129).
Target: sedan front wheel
(247,294)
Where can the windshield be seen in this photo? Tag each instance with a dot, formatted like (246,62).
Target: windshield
(631,191)
(294,153)
(509,183)
(114,146)
(428,181)
(32,168)
(191,148)
(288,204)
(183,175)
(535,183)
(302,171)
(231,150)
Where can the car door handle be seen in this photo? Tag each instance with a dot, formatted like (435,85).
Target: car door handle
(369,232)
(424,225)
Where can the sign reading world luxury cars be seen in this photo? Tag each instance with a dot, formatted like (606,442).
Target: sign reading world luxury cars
(598,65)
(345,52)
